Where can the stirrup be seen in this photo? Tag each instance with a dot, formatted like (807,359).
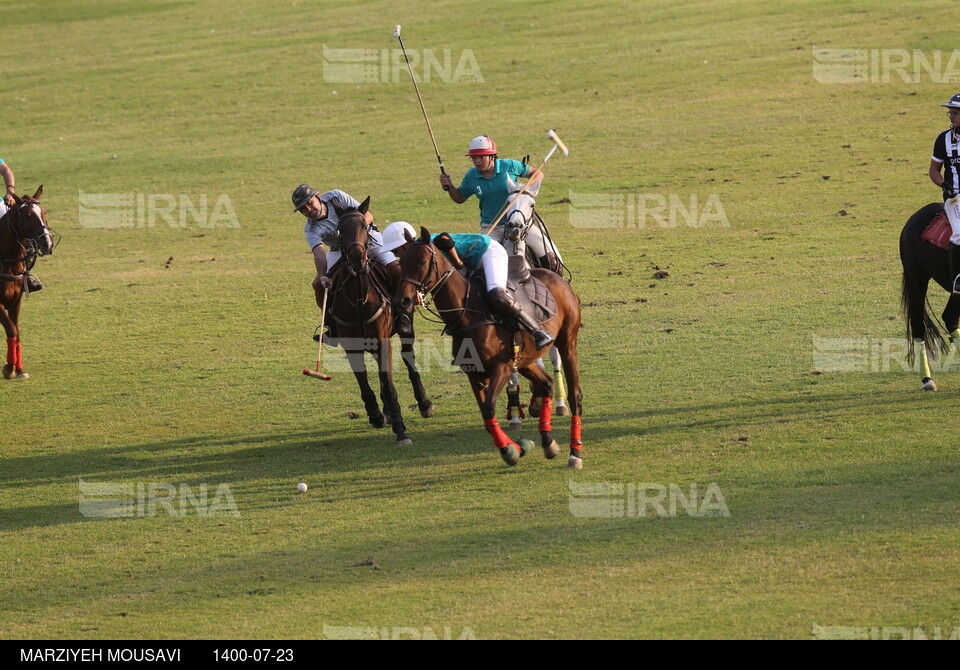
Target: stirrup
(956,285)
(542,339)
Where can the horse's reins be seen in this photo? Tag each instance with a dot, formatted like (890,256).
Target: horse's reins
(360,274)
(31,252)
(423,290)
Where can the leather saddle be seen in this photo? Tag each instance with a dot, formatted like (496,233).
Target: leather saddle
(532,296)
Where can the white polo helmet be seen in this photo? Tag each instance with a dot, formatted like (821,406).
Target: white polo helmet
(482,146)
(393,235)
(954,102)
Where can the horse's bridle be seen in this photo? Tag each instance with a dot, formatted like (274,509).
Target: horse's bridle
(421,286)
(32,249)
(364,246)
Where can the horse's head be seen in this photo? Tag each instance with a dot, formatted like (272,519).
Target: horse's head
(29,224)
(354,236)
(421,269)
(520,214)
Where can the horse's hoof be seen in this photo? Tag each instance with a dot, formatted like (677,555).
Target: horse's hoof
(563,410)
(551,450)
(428,412)
(510,454)
(533,409)
(404,442)
(7,371)
(378,421)
(22,375)
(575,463)
(525,447)
(515,424)
(928,384)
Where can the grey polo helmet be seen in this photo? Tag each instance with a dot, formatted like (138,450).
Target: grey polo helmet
(302,195)
(954,102)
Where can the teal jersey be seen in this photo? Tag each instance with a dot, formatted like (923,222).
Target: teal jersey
(470,247)
(492,193)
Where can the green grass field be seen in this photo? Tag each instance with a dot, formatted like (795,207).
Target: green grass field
(170,355)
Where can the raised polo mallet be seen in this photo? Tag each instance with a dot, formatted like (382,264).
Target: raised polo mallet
(316,374)
(557,144)
(396,33)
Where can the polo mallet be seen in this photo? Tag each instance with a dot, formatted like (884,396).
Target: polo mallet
(316,374)
(557,143)
(396,33)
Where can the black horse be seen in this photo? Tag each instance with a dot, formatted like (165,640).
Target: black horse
(923,261)
(360,303)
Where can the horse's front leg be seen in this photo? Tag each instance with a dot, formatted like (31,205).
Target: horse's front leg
(13,368)
(487,389)
(388,392)
(543,391)
(410,360)
(359,367)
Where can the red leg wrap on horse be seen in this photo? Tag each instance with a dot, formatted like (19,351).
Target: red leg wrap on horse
(546,414)
(11,351)
(575,432)
(500,438)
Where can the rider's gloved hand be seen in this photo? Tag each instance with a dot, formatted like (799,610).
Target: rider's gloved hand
(443,242)
(947,190)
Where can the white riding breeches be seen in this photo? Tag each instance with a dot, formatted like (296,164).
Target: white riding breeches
(494,261)
(534,239)
(952,208)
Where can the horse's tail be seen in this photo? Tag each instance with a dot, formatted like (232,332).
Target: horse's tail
(914,301)
(933,339)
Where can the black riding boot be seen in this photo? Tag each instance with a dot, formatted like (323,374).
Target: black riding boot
(33,284)
(502,300)
(954,253)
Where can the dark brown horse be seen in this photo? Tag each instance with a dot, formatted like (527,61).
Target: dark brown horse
(923,261)
(361,308)
(484,348)
(24,236)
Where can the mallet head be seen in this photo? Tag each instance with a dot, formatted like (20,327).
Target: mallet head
(317,375)
(563,147)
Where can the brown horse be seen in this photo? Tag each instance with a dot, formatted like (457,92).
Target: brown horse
(24,236)
(490,344)
(360,307)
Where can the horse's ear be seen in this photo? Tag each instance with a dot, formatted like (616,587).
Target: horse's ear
(410,238)
(364,206)
(424,235)
(36,196)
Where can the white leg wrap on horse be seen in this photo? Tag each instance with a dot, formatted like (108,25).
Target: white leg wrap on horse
(921,355)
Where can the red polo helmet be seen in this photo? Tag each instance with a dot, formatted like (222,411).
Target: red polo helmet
(482,146)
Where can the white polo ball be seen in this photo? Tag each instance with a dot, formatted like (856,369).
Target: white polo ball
(301,487)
